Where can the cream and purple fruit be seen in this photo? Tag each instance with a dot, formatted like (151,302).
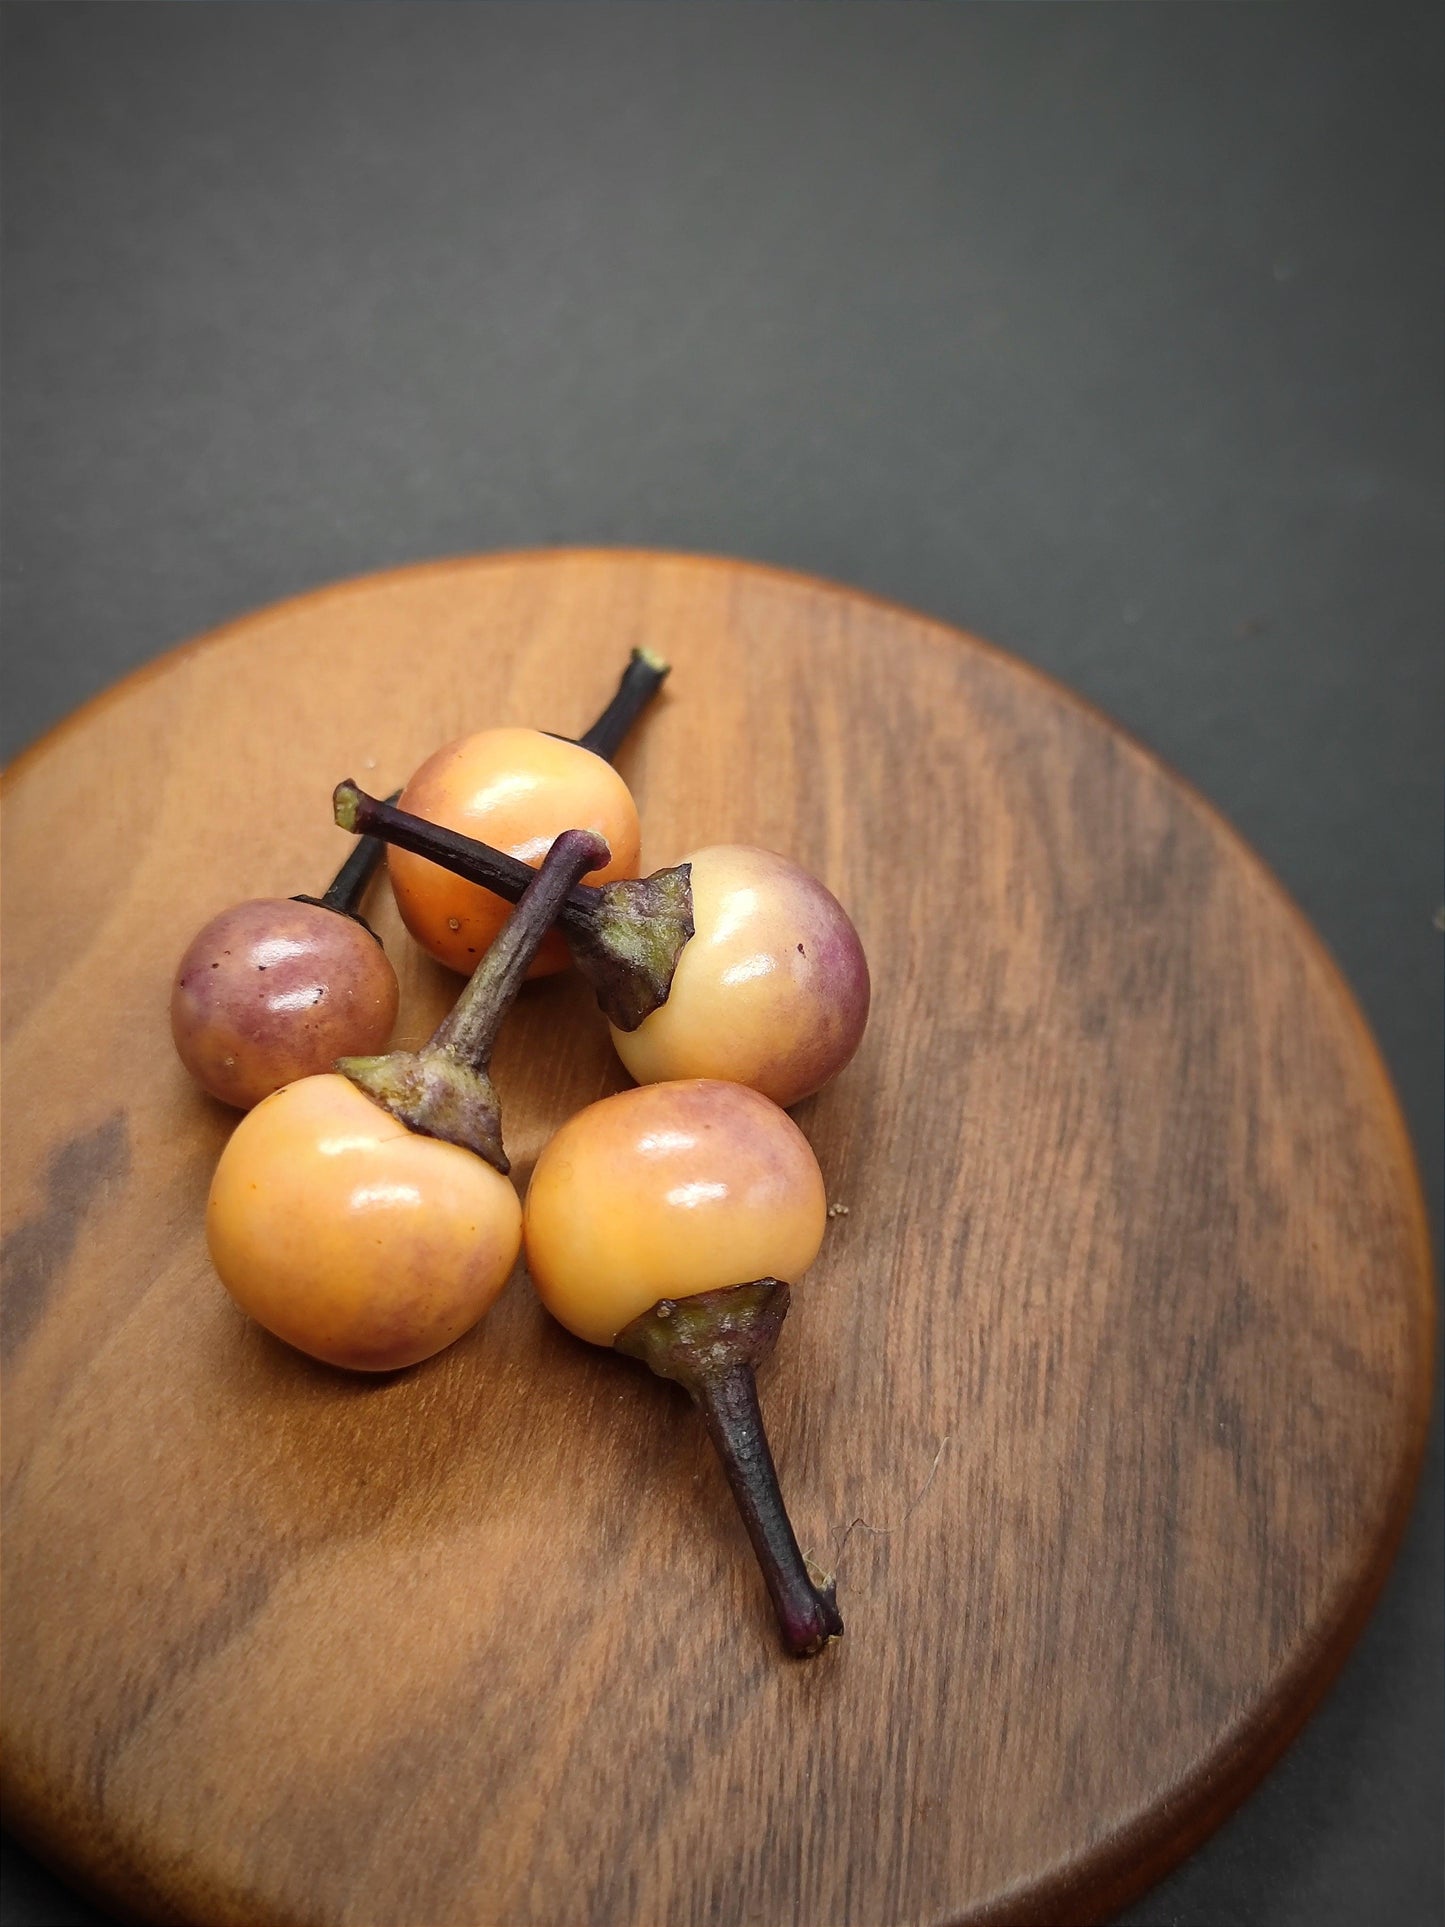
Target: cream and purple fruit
(771,990)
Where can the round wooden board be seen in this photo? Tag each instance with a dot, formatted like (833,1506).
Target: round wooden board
(1121,1349)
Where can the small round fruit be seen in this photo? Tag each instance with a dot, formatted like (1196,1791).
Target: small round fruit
(274,989)
(666,1191)
(516,789)
(771,990)
(353,1238)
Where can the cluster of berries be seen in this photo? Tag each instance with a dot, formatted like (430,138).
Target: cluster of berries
(362,1210)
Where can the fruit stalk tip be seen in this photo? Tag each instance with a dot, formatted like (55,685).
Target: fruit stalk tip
(346,803)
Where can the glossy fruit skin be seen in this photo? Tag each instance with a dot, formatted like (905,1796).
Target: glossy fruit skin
(516,789)
(771,990)
(353,1238)
(666,1191)
(272,990)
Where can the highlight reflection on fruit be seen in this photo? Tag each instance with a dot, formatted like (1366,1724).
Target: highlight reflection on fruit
(772,991)
(517,789)
(278,988)
(735,963)
(669,1222)
(353,1238)
(366,1217)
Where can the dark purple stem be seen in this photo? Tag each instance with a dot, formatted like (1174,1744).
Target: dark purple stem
(469,1031)
(625,936)
(507,876)
(711,1344)
(445,1090)
(807,1615)
(641,680)
(347,888)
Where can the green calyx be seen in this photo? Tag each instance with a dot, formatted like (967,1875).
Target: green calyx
(628,942)
(695,1340)
(430,1091)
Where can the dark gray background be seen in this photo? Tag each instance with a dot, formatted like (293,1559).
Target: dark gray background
(1112,333)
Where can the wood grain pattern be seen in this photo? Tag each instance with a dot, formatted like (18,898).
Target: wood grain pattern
(1120,1350)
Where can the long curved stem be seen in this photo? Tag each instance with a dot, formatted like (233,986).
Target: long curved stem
(445,1090)
(506,876)
(625,937)
(711,1345)
(469,1030)
(807,1615)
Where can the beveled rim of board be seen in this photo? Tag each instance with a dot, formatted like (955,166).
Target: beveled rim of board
(1126,1862)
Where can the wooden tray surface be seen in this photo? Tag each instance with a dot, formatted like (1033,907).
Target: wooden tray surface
(1120,1353)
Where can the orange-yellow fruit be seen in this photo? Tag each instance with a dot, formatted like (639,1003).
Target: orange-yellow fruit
(666,1191)
(516,789)
(353,1238)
